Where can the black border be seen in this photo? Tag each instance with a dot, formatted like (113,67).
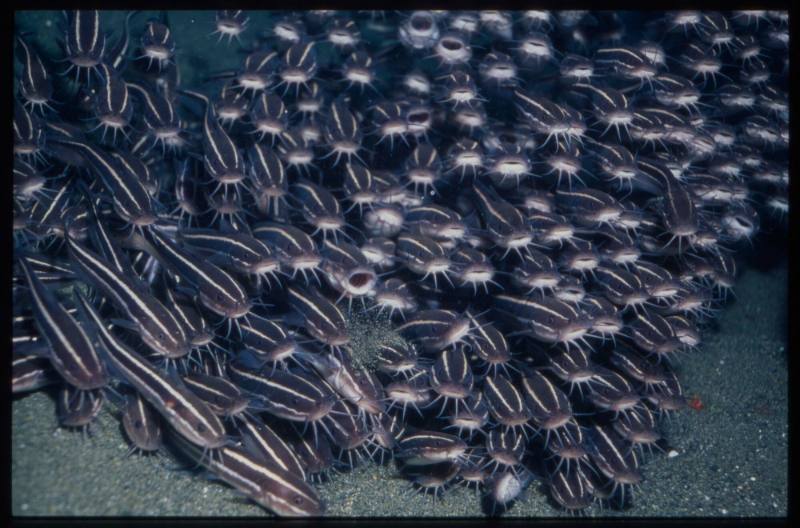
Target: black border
(686,522)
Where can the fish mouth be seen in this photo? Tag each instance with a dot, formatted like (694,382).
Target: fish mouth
(421,176)
(477,276)
(471,119)
(452,232)
(665,292)
(512,167)
(561,233)
(684,230)
(359,76)
(286,33)
(387,216)
(628,478)
(300,157)
(282,352)
(225,310)
(392,301)
(607,327)
(166,133)
(201,339)
(462,95)
(230,114)
(373,256)
(360,282)
(252,82)
(179,350)
(469,159)
(231,177)
(329,224)
(438,266)
(25,148)
(585,263)
(346,147)
(84,61)
(421,22)
(707,67)
(370,405)
(571,295)
(518,240)
(295,77)
(272,192)
(635,299)
(305,263)
(536,48)
(419,118)
(458,331)
(608,216)
(452,45)
(453,390)
(321,412)
(625,403)
(341,38)
(627,257)
(515,421)
(646,437)
(543,281)
(502,71)
(159,53)
(239,311)
(364,197)
(229,27)
(264,267)
(394,128)
(582,71)
(573,334)
(667,347)
(114,121)
(307,106)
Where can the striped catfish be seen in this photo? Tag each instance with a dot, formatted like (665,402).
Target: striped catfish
(157,326)
(178,405)
(71,352)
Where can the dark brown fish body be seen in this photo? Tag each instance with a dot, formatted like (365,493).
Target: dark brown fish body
(222,397)
(78,408)
(547,318)
(269,486)
(436,329)
(506,403)
(429,447)
(30,370)
(323,320)
(142,425)
(71,352)
(299,397)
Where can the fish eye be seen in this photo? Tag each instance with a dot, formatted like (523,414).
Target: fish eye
(295,400)
(138,424)
(298,500)
(200,428)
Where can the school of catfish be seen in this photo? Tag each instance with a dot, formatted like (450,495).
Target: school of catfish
(546,206)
